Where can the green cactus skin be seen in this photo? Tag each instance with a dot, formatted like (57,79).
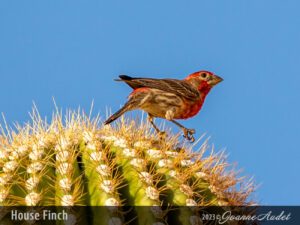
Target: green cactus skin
(79,162)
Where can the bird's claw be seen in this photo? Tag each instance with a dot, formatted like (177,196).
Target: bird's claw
(162,134)
(188,134)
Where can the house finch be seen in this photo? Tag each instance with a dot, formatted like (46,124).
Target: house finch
(168,98)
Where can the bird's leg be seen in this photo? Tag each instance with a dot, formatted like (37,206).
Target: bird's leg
(161,133)
(188,133)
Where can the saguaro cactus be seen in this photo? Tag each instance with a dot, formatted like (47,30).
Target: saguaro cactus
(79,162)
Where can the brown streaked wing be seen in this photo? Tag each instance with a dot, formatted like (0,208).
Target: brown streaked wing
(179,87)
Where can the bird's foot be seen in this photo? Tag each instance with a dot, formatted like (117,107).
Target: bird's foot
(188,134)
(162,134)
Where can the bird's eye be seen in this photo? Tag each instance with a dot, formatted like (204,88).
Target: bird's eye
(203,75)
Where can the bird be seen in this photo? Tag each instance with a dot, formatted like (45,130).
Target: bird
(169,99)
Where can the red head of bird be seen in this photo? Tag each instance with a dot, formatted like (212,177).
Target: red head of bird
(203,80)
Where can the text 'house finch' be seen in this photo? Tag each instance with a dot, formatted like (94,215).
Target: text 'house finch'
(168,98)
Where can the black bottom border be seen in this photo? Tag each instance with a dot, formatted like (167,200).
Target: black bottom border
(143,215)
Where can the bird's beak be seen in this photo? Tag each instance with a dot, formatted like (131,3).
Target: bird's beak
(216,79)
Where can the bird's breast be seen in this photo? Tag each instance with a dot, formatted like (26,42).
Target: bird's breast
(190,109)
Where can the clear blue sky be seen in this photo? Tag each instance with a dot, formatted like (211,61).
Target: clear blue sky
(72,50)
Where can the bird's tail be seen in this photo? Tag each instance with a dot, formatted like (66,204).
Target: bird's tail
(124,78)
(125,108)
